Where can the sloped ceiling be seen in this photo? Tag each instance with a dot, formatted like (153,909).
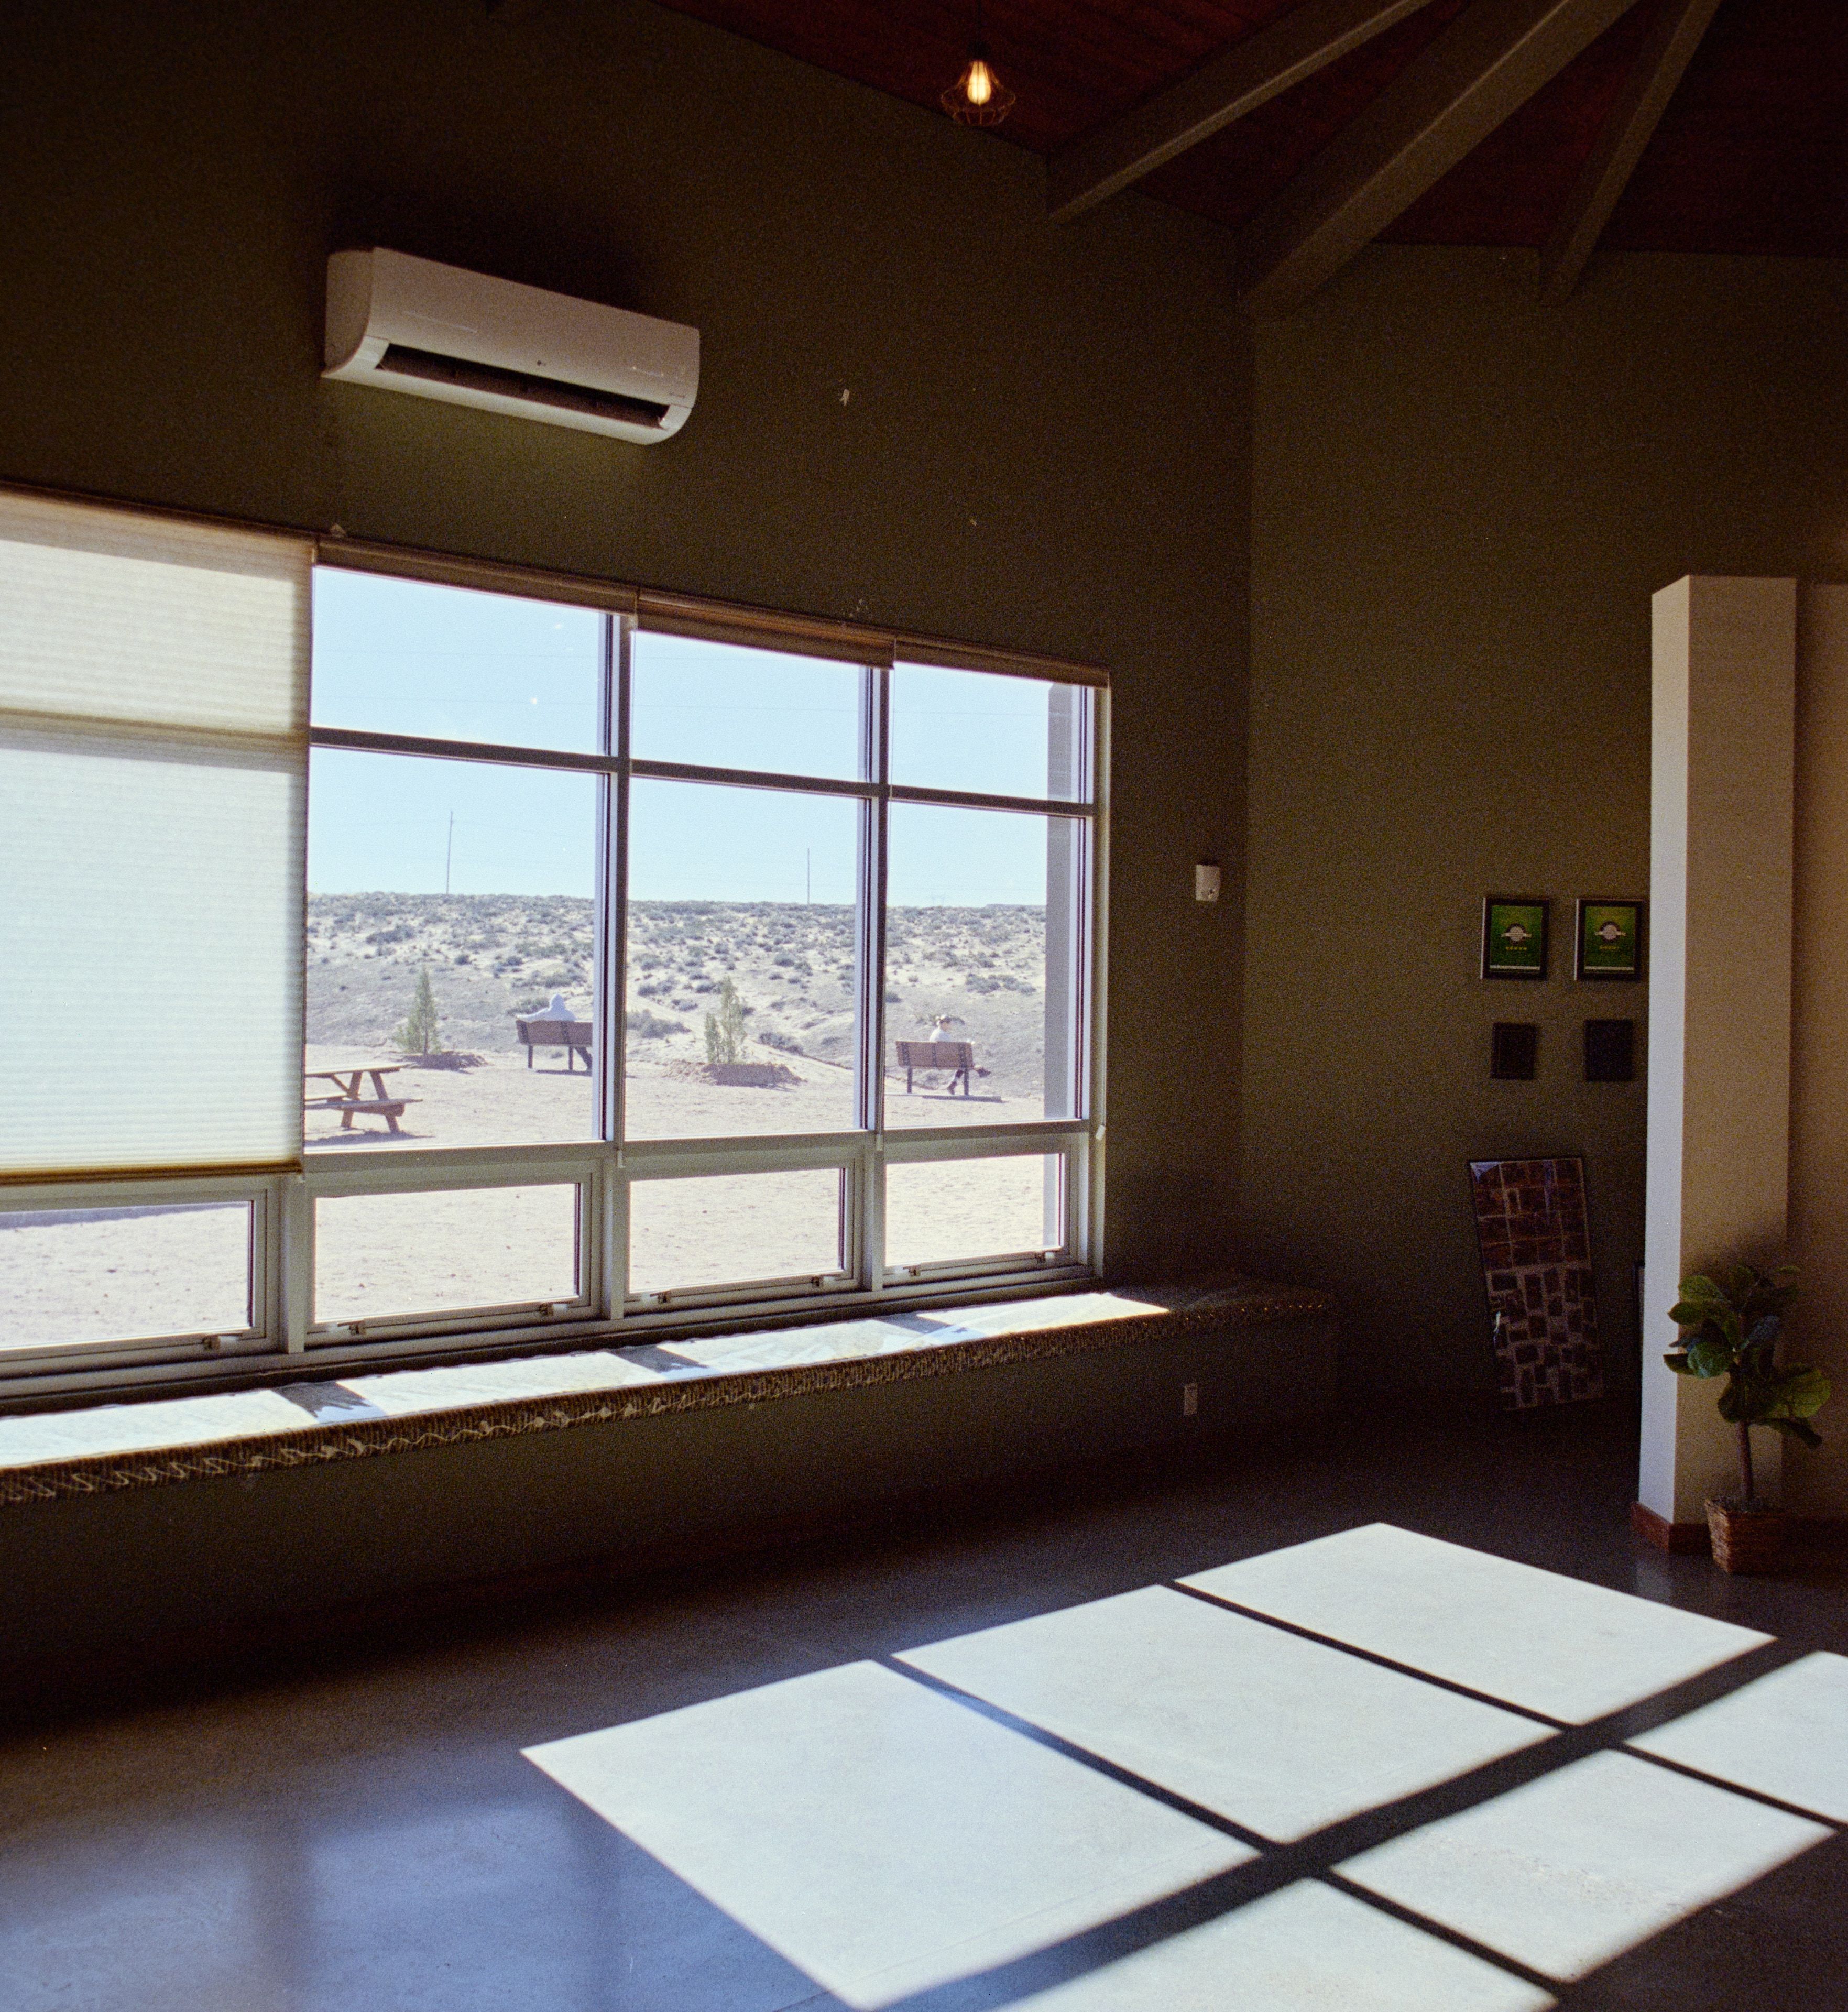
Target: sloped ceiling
(1751,155)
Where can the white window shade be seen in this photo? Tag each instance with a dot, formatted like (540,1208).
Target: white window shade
(153,706)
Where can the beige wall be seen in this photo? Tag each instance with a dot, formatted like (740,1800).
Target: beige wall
(921,403)
(1463,502)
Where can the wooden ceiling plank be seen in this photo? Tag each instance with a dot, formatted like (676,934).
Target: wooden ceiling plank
(1660,65)
(1483,67)
(1261,67)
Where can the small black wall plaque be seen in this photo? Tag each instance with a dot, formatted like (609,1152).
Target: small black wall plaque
(1515,1051)
(1610,1052)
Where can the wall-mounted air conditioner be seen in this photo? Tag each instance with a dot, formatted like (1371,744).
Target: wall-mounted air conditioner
(405,324)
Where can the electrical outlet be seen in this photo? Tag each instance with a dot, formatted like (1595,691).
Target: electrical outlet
(1189,1400)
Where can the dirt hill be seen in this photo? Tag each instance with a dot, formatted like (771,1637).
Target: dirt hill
(491,957)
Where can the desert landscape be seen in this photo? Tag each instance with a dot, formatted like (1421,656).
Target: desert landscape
(492,959)
(97,1275)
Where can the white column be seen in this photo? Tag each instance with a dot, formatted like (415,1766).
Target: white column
(1719,1019)
(1817,1483)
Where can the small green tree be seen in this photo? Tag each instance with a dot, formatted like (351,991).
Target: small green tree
(725,1029)
(1729,1328)
(420,1034)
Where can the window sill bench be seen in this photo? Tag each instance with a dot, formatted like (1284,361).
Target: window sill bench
(48,1456)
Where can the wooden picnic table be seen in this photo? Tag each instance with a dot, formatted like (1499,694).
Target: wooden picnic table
(347,1099)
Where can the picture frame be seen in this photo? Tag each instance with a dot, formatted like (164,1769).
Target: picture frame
(1514,932)
(1608,941)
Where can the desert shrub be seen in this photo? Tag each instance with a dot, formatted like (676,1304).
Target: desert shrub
(774,1037)
(418,1034)
(648,1026)
(725,1029)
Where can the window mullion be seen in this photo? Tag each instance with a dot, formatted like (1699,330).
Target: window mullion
(874,823)
(611,1192)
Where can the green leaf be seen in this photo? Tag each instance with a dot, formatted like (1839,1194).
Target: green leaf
(1799,1430)
(1691,1313)
(1738,1281)
(1765,1330)
(1709,1356)
(1801,1391)
(1678,1362)
(1701,1290)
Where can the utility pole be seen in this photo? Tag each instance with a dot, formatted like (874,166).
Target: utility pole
(448,854)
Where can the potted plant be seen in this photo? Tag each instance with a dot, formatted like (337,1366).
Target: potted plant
(1729,1328)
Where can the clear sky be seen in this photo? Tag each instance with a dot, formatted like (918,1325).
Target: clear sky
(404,657)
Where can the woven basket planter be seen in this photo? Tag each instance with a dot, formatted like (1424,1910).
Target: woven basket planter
(1746,1540)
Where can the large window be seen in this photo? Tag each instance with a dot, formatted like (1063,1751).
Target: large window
(652,967)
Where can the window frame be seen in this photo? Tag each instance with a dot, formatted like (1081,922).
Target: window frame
(55,1364)
(284,1334)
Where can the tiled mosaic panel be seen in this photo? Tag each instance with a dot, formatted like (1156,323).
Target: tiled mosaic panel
(1537,1264)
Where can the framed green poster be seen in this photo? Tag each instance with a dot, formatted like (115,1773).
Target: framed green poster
(1513,936)
(1609,940)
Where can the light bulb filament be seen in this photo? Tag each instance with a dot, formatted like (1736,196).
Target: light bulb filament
(980,86)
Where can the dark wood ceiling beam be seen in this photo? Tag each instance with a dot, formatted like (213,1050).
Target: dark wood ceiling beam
(1660,65)
(1261,67)
(1480,69)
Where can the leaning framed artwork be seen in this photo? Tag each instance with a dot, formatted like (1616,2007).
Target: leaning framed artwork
(1513,935)
(1609,940)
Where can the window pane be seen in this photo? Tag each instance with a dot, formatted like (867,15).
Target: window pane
(727,708)
(984,926)
(1006,736)
(403,656)
(742,994)
(729,1230)
(380,1257)
(91,1275)
(451,953)
(946,1212)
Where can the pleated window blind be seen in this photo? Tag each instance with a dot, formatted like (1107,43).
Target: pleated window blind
(153,762)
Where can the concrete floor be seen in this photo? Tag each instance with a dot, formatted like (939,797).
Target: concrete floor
(358,1826)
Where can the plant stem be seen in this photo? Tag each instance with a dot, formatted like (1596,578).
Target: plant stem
(1745,1466)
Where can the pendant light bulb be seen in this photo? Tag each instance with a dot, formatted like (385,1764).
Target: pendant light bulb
(977,98)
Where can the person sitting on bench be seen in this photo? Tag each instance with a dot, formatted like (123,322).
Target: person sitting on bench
(555,1026)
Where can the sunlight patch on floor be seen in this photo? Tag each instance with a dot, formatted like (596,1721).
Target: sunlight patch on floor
(1530,1638)
(1307,1949)
(1786,1735)
(881,1837)
(1280,1734)
(889,1840)
(1572,1870)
